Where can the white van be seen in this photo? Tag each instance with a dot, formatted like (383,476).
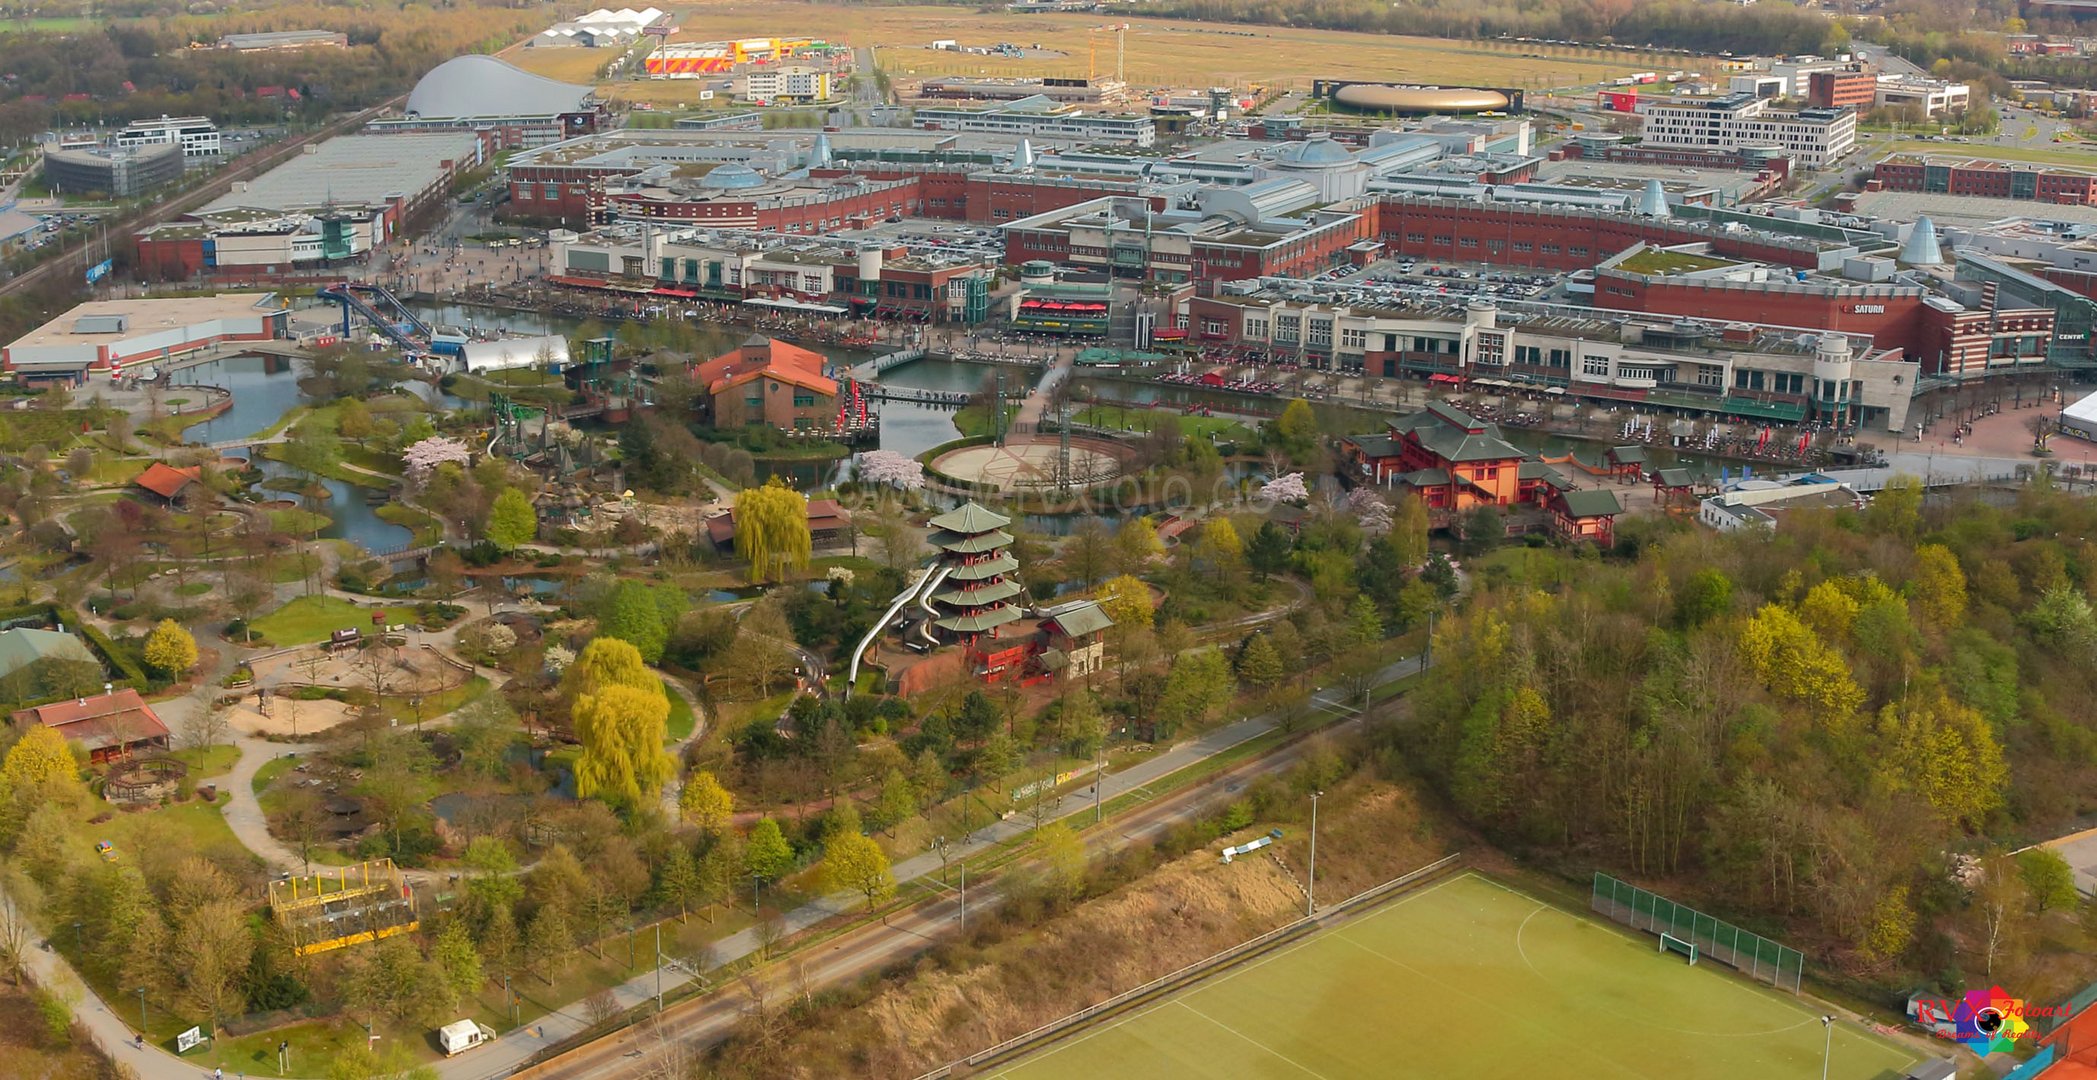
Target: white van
(464,1035)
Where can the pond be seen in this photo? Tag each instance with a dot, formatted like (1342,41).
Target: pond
(349,516)
(540,587)
(263,388)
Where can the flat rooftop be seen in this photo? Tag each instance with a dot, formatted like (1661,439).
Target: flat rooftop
(141,316)
(354,170)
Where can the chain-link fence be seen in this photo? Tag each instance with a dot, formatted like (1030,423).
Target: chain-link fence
(1716,939)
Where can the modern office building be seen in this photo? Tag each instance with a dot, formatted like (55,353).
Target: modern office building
(197,135)
(794,85)
(1934,97)
(1841,89)
(121,173)
(1814,138)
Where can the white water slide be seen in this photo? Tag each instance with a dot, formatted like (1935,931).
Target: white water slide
(927,582)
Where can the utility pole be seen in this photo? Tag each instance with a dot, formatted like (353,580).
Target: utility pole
(1310,893)
(658,967)
(1827,1045)
(964,897)
(141,1010)
(1099,779)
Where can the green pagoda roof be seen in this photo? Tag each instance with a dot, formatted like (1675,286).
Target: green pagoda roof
(989,619)
(964,544)
(977,597)
(1004,563)
(970,517)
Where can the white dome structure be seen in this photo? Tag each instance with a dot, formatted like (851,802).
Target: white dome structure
(467,87)
(1316,152)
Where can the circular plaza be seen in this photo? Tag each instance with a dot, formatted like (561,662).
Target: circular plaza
(1030,462)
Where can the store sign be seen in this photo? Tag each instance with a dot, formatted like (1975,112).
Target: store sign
(1867,309)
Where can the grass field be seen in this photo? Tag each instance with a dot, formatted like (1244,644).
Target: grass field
(1161,52)
(307,619)
(1469,978)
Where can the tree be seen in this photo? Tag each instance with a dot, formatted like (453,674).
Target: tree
(896,804)
(766,854)
(2048,877)
(353,420)
(512,523)
(705,803)
(771,529)
(855,862)
(303,822)
(1086,554)
(1897,509)
(313,450)
(622,729)
(633,615)
(1296,431)
(1939,585)
(1408,535)
(1259,665)
(41,760)
(1062,859)
(546,938)
(1220,547)
(458,958)
(681,882)
(170,649)
(1127,601)
(1268,554)
(604,662)
(1945,752)
(1364,622)
(206,722)
(1198,684)
(1705,596)
(209,945)
(1792,660)
(1135,543)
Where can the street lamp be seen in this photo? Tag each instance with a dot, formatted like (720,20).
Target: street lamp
(1310,892)
(1827,1045)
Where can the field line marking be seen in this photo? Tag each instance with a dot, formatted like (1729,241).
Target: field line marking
(1589,1051)
(1204,983)
(1250,1039)
(1756,990)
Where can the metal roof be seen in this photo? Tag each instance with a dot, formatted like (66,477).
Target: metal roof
(471,86)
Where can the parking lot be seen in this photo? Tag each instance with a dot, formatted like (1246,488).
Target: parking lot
(1406,280)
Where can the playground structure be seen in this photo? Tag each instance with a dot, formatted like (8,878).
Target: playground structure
(353,905)
(383,310)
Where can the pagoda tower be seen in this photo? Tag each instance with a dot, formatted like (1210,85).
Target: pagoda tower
(974,586)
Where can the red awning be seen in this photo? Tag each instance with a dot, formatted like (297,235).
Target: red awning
(1168,335)
(680,294)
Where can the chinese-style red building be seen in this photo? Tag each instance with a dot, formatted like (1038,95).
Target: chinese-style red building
(1453,461)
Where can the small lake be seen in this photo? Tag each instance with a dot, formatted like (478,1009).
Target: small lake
(350,517)
(263,388)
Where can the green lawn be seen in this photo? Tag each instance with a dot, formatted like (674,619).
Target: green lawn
(681,720)
(209,761)
(1466,977)
(1122,418)
(297,522)
(307,619)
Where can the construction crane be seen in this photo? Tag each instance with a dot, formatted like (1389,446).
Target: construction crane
(1121,52)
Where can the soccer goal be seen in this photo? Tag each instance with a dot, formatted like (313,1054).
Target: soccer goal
(1713,939)
(1671,943)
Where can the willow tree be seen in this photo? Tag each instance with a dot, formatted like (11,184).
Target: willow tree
(771,529)
(621,712)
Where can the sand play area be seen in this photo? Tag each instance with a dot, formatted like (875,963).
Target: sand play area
(405,671)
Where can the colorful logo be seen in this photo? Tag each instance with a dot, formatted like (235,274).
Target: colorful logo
(1984,1020)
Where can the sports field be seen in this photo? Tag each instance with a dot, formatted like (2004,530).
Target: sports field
(1469,978)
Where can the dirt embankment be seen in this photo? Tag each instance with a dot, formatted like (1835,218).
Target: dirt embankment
(961,998)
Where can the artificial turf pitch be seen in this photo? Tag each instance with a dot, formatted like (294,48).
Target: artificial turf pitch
(1468,978)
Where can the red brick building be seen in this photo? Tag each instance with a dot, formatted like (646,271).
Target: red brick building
(1944,338)
(767,382)
(1988,179)
(1841,89)
(1550,238)
(107,726)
